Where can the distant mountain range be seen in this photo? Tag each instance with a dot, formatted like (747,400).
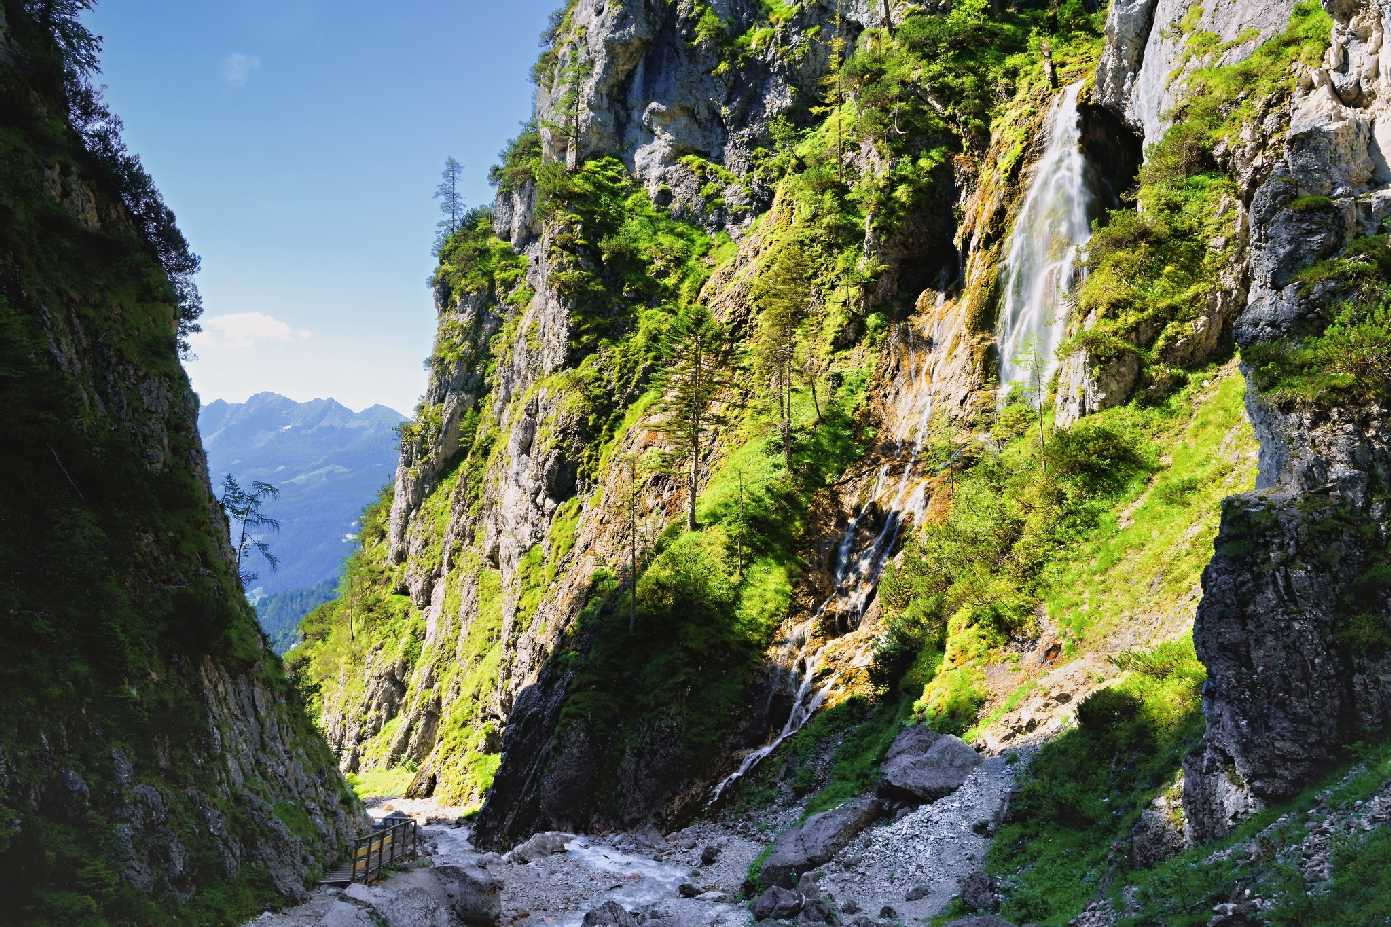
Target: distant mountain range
(328,463)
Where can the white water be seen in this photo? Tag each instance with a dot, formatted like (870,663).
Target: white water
(1042,264)
(1041,268)
(857,570)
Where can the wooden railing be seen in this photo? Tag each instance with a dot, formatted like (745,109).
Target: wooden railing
(384,847)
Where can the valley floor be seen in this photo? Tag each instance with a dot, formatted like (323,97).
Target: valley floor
(694,877)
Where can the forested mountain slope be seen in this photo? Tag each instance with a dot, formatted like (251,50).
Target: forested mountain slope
(326,463)
(156,767)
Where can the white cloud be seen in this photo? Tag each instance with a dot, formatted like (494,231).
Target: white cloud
(244,329)
(237,68)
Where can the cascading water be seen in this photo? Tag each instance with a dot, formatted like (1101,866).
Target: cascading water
(1042,265)
(856,570)
(1041,268)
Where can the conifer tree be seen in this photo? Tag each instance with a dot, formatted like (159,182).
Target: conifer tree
(244,508)
(693,384)
(781,294)
(451,200)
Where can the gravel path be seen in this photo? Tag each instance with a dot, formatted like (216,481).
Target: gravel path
(928,852)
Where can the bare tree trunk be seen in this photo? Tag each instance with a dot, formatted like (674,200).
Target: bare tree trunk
(743,527)
(1048,68)
(696,399)
(888,18)
(632,544)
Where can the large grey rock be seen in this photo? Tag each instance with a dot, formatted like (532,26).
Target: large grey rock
(475,895)
(816,840)
(924,766)
(1140,74)
(1158,834)
(610,914)
(980,920)
(978,892)
(547,843)
(777,902)
(1127,30)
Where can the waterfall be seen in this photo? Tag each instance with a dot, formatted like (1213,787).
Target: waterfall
(1040,269)
(1042,266)
(857,569)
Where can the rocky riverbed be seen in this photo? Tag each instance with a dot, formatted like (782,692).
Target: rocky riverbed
(899,856)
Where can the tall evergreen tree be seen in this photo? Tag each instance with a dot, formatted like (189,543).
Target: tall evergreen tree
(245,513)
(451,201)
(693,384)
(781,293)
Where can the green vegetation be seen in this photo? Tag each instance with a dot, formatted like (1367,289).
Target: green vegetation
(1085,790)
(1348,363)
(1154,270)
(1182,891)
(708,600)
(1143,558)
(387,782)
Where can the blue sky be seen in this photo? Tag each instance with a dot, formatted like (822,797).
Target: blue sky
(299,142)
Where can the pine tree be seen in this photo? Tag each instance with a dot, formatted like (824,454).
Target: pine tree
(781,293)
(245,515)
(693,384)
(451,200)
(566,105)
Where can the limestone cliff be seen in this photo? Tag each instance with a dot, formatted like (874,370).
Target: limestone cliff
(528,622)
(155,765)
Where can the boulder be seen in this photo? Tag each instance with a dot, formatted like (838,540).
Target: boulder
(978,892)
(548,843)
(1158,834)
(777,902)
(923,765)
(475,895)
(818,839)
(610,914)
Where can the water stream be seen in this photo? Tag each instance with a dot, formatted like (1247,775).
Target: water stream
(1042,264)
(1041,267)
(858,564)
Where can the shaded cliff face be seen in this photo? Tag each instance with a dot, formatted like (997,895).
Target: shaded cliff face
(155,765)
(1294,623)
(1295,603)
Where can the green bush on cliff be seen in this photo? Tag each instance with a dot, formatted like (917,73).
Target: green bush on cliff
(1153,271)
(1349,362)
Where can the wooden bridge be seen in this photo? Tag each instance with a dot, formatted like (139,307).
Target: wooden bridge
(394,840)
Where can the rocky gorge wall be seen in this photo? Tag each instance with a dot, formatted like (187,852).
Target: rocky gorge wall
(155,765)
(510,660)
